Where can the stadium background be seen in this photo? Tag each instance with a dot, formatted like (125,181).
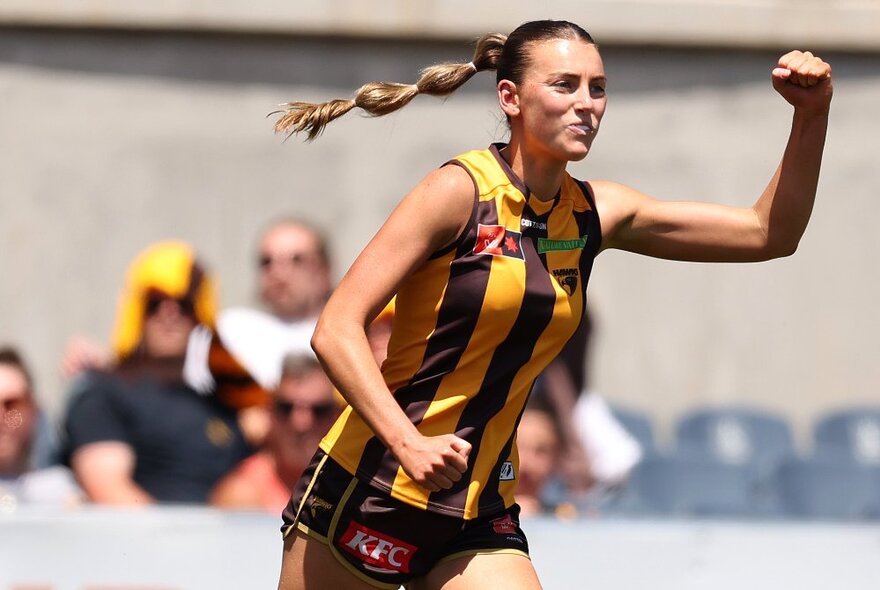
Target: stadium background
(127,122)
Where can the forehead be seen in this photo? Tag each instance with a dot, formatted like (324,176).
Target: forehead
(13,384)
(289,237)
(564,56)
(536,426)
(312,385)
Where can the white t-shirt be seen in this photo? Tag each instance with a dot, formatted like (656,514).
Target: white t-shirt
(256,339)
(612,451)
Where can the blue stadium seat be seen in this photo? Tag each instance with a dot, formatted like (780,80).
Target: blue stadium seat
(697,485)
(639,425)
(737,435)
(853,431)
(829,487)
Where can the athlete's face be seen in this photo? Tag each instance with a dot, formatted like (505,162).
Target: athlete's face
(557,107)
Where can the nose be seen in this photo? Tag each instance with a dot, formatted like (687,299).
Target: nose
(303,419)
(583,99)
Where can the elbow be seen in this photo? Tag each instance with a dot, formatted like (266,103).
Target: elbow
(781,248)
(326,337)
(320,341)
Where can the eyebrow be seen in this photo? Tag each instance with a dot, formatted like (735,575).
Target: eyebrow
(571,74)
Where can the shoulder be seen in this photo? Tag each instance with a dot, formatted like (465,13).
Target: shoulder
(616,204)
(440,206)
(452,182)
(93,387)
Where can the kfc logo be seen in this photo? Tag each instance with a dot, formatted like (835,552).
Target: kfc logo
(381,553)
(496,240)
(504,525)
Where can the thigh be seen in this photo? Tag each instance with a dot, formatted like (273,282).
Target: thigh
(483,571)
(308,564)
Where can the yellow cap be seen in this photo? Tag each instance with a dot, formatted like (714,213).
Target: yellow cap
(170,268)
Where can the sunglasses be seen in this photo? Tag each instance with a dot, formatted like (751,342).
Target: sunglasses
(319,411)
(155,300)
(14,404)
(297,259)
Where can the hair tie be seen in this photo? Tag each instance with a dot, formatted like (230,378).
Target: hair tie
(473,66)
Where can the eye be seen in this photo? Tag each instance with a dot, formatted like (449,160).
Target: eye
(563,85)
(597,90)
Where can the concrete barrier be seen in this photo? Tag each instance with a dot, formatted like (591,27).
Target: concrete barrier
(191,548)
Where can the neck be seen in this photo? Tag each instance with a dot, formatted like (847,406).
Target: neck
(541,175)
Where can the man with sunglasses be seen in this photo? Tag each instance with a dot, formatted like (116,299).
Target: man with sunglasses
(23,479)
(294,282)
(302,409)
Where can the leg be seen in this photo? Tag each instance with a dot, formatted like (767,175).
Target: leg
(485,571)
(307,564)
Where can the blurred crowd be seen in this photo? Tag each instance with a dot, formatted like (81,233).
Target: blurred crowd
(193,403)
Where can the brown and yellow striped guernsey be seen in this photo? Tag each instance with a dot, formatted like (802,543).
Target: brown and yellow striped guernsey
(473,328)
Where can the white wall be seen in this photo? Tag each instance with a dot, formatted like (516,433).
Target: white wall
(112,140)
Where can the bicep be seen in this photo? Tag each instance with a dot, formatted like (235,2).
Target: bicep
(678,230)
(102,466)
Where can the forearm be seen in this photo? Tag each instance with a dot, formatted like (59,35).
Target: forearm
(104,471)
(344,351)
(784,208)
(120,493)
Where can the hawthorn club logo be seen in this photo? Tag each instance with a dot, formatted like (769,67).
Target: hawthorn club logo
(567,279)
(497,240)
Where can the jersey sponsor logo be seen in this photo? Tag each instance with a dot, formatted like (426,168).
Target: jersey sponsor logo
(547,245)
(535,224)
(567,279)
(380,552)
(497,240)
(504,525)
(507,473)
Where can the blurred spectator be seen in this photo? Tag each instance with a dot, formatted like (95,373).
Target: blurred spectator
(137,433)
(539,443)
(239,360)
(294,283)
(597,451)
(302,410)
(22,482)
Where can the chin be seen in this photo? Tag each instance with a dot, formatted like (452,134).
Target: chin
(576,154)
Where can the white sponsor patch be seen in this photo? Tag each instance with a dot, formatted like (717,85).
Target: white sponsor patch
(506,472)
(536,224)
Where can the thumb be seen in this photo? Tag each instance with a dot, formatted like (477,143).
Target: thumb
(781,73)
(461,446)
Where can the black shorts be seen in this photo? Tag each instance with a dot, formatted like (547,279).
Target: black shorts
(383,541)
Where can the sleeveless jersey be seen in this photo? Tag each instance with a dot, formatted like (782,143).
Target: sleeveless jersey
(473,328)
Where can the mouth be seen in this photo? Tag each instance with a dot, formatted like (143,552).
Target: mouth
(582,129)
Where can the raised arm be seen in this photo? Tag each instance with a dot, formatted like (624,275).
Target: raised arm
(430,217)
(772,227)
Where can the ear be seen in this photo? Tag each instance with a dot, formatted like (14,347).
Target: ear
(508,98)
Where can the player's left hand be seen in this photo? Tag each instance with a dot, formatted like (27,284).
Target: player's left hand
(804,80)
